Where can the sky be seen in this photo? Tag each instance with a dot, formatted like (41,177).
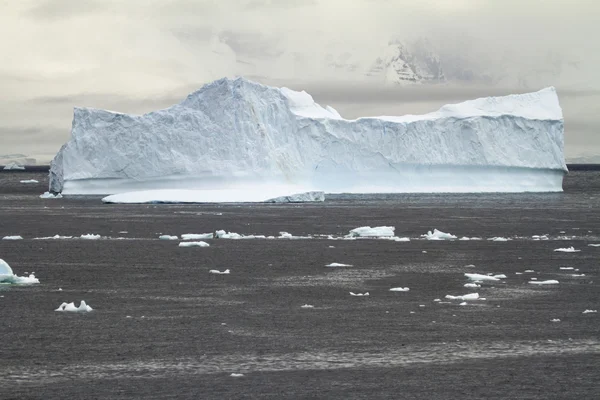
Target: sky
(140,55)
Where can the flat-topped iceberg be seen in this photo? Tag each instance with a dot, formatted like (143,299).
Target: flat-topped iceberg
(235,134)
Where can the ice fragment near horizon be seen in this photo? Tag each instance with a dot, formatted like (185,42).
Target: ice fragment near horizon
(548,282)
(70,307)
(197,236)
(194,244)
(367,231)
(216,271)
(480,277)
(333,265)
(567,250)
(399,289)
(438,235)
(168,237)
(15,237)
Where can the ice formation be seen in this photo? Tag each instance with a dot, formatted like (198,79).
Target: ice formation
(48,195)
(359,294)
(399,289)
(334,265)
(168,237)
(8,276)
(216,271)
(197,236)
(280,194)
(194,244)
(13,166)
(306,197)
(26,181)
(480,277)
(55,237)
(470,296)
(235,134)
(90,236)
(377,232)
(70,307)
(15,237)
(438,235)
(567,250)
(548,282)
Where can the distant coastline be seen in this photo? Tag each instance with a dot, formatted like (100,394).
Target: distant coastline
(46,168)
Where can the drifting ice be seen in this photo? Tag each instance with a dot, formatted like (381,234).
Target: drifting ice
(7,276)
(438,235)
(70,307)
(234,134)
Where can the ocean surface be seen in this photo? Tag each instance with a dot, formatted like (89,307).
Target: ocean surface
(164,327)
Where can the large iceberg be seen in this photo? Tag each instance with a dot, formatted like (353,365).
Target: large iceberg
(235,134)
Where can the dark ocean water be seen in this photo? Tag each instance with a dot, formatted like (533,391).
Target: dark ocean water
(163,327)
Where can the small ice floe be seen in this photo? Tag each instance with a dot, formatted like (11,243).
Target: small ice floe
(70,307)
(577,275)
(437,300)
(168,237)
(500,276)
(469,238)
(376,232)
(424,251)
(589,311)
(464,303)
(12,238)
(399,289)
(197,236)
(518,273)
(567,250)
(470,296)
(529,271)
(566,268)
(594,244)
(333,265)
(286,235)
(332,247)
(8,276)
(90,236)
(534,279)
(548,282)
(216,271)
(307,306)
(55,237)
(469,266)
(471,285)
(499,239)
(234,375)
(13,166)
(221,234)
(555,320)
(194,244)
(396,239)
(27,181)
(438,235)
(539,237)
(359,294)
(480,277)
(48,195)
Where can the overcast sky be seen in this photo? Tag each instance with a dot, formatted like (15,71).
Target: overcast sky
(140,55)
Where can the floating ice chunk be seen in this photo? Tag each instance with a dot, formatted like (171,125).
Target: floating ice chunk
(589,311)
(577,275)
(90,236)
(469,266)
(306,197)
(168,237)
(534,279)
(399,289)
(367,231)
(594,244)
(48,195)
(307,306)
(27,181)
(529,270)
(480,277)
(12,238)
(8,276)
(567,250)
(566,268)
(471,285)
(197,236)
(221,234)
(234,375)
(216,271)
(70,307)
(464,303)
(470,296)
(55,237)
(548,282)
(470,238)
(555,320)
(539,237)
(438,235)
(499,239)
(400,239)
(194,244)
(338,265)
(500,276)
(359,294)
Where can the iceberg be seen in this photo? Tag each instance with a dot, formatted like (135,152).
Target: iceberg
(235,134)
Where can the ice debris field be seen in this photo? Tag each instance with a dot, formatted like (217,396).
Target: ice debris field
(278,145)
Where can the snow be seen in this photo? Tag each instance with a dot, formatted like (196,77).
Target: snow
(12,238)
(90,236)
(359,294)
(197,236)
(27,181)
(333,265)
(399,289)
(238,135)
(589,311)
(194,244)
(48,195)
(480,277)
(70,307)
(367,231)
(567,250)
(548,282)
(438,235)
(470,296)
(168,237)
(255,193)
(216,271)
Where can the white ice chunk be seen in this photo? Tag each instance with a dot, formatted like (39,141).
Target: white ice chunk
(216,271)
(470,296)
(197,236)
(306,197)
(471,285)
(12,238)
(194,244)
(548,282)
(70,307)
(399,289)
(168,237)
(48,195)
(464,303)
(8,276)
(438,235)
(28,181)
(221,234)
(567,250)
(566,268)
(235,375)
(14,166)
(307,306)
(367,231)
(480,277)
(338,265)
(589,311)
(500,276)
(55,237)
(594,244)
(555,320)
(90,236)
(499,239)
(359,294)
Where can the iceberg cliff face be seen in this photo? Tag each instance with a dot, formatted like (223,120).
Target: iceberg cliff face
(237,133)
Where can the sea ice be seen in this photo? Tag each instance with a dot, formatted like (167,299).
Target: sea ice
(566,268)
(367,231)
(216,271)
(70,307)
(555,320)
(470,296)
(221,234)
(589,311)
(12,238)
(278,136)
(55,237)
(399,289)
(8,276)
(194,244)
(359,294)
(594,244)
(480,277)
(438,235)
(471,285)
(13,166)
(306,197)
(567,250)
(90,236)
(338,265)
(307,306)
(548,282)
(499,239)
(168,237)
(26,181)
(234,375)
(197,236)
(48,195)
